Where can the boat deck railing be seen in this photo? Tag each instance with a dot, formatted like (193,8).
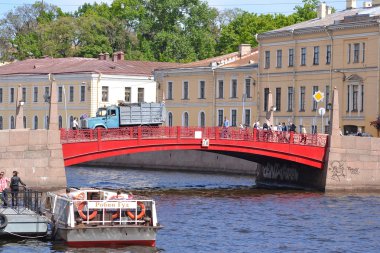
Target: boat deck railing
(25,198)
(75,212)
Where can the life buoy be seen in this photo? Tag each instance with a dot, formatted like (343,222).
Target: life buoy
(115,215)
(140,215)
(79,196)
(82,215)
(3,221)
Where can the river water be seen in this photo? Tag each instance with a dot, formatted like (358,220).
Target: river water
(225,213)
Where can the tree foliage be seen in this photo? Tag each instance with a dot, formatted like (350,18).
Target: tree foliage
(155,30)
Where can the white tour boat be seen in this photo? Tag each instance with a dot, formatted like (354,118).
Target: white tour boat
(94,217)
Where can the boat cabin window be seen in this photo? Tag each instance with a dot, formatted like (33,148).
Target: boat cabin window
(101,112)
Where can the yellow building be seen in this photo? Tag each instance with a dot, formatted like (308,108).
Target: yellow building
(83,85)
(334,50)
(203,93)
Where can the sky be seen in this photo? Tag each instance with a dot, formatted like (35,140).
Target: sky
(257,6)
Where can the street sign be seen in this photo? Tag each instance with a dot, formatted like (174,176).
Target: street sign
(321,111)
(318,96)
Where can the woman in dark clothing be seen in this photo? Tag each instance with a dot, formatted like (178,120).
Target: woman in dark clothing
(15,182)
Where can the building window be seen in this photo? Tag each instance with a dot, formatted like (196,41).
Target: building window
(170,90)
(1,95)
(127,94)
(220,118)
(60,94)
(202,119)
(348,53)
(220,88)
(247,118)
(248,87)
(279,58)
(24,121)
(327,97)
(315,104)
(59,121)
(328,54)
(290,99)
(46,123)
(233,117)
(185,121)
(355,90)
(234,88)
(35,122)
(12,95)
(35,94)
(267,59)
(104,93)
(266,97)
(202,85)
(82,93)
(302,98)
(185,90)
(1,123)
(291,57)
(24,94)
(363,52)
(316,55)
(47,94)
(140,95)
(278,99)
(362,99)
(356,52)
(13,126)
(71,96)
(303,56)
(170,116)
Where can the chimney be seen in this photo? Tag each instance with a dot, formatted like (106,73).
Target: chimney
(351,4)
(321,10)
(106,56)
(375,2)
(120,56)
(244,49)
(114,57)
(329,10)
(100,56)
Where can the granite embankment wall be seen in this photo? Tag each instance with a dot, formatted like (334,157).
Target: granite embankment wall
(353,163)
(181,160)
(35,154)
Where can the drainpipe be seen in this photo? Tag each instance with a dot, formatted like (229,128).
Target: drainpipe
(378,72)
(258,82)
(97,95)
(294,77)
(214,98)
(331,64)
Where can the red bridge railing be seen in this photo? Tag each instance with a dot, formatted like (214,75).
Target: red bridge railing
(211,133)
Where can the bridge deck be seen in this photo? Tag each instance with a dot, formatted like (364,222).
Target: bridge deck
(85,144)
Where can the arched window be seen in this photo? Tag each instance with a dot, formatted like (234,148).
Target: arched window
(46,122)
(185,119)
(60,122)
(202,119)
(13,122)
(35,122)
(170,116)
(1,123)
(71,121)
(24,121)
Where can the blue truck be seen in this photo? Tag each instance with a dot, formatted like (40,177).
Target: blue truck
(123,115)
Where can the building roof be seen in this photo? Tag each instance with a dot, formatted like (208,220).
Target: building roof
(228,60)
(82,65)
(337,19)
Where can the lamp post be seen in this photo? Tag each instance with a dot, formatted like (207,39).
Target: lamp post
(243,111)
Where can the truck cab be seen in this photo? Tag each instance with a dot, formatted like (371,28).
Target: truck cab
(106,117)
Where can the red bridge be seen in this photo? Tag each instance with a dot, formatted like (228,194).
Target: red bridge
(85,145)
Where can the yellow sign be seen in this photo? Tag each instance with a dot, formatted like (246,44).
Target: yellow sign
(318,96)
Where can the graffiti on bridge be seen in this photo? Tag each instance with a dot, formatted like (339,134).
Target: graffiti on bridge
(277,172)
(339,170)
